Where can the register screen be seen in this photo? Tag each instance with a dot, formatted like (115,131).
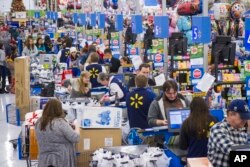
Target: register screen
(177,117)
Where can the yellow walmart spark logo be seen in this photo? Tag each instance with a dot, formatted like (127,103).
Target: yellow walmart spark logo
(94,73)
(136,101)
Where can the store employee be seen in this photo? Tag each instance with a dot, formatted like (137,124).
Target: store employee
(231,131)
(115,88)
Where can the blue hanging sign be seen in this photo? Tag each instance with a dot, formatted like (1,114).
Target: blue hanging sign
(161,26)
(93,19)
(119,22)
(137,24)
(101,21)
(201,29)
(133,51)
(248,87)
(247,34)
(197,73)
(82,19)
(48,14)
(75,18)
(55,15)
(37,15)
(150,2)
(51,15)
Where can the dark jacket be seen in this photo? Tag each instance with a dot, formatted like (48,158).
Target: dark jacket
(138,102)
(131,82)
(197,147)
(94,70)
(115,64)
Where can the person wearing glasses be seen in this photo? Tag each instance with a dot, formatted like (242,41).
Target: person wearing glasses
(170,98)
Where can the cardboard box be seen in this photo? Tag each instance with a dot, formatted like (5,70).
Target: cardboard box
(198,162)
(93,139)
(22,85)
(33,149)
(100,117)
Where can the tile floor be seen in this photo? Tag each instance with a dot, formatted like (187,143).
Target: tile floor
(8,156)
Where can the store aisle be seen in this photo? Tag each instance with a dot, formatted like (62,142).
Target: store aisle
(8,156)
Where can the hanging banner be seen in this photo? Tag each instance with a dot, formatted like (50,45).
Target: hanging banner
(161,26)
(75,18)
(48,14)
(37,15)
(201,29)
(247,34)
(101,21)
(55,16)
(150,2)
(82,19)
(93,19)
(248,87)
(137,24)
(119,22)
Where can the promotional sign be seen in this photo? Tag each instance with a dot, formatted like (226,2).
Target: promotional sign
(75,18)
(137,24)
(101,21)
(119,22)
(161,26)
(247,34)
(132,51)
(248,87)
(201,29)
(158,45)
(158,60)
(93,19)
(82,19)
(150,2)
(196,74)
(247,67)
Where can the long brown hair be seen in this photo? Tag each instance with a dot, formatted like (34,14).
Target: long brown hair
(82,85)
(27,43)
(198,118)
(53,109)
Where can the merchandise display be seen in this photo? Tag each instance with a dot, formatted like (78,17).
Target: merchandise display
(85,74)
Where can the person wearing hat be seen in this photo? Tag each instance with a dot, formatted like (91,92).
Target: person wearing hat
(229,132)
(72,61)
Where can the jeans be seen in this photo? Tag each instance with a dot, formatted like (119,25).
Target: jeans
(3,71)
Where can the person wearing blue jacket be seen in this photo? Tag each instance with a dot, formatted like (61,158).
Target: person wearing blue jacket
(138,102)
(117,91)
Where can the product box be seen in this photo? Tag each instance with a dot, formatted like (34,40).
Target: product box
(22,85)
(38,102)
(93,139)
(100,117)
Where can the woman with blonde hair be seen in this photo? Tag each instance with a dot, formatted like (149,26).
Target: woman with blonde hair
(79,87)
(56,137)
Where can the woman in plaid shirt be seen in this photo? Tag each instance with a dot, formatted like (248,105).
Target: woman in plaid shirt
(231,131)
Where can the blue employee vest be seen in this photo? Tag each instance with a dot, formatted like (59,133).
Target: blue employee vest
(123,88)
(94,70)
(138,102)
(64,55)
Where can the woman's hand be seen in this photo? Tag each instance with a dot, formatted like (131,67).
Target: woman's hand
(161,122)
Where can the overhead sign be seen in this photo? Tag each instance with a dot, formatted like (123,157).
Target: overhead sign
(82,19)
(119,22)
(93,19)
(75,18)
(137,24)
(150,2)
(101,21)
(161,26)
(37,15)
(247,34)
(55,15)
(201,29)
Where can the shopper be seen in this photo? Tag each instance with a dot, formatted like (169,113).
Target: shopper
(117,91)
(91,48)
(94,68)
(138,102)
(3,69)
(195,129)
(79,87)
(231,131)
(114,62)
(170,98)
(40,45)
(48,44)
(56,137)
(124,62)
(144,69)
(30,48)
(63,54)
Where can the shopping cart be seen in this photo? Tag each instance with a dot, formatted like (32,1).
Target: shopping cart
(13,115)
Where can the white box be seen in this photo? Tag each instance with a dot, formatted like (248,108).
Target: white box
(100,117)
(38,102)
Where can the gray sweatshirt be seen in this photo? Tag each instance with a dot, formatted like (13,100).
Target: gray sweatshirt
(2,57)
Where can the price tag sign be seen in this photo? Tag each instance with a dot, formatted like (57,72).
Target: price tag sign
(161,26)
(247,34)
(201,29)
(119,23)
(137,24)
